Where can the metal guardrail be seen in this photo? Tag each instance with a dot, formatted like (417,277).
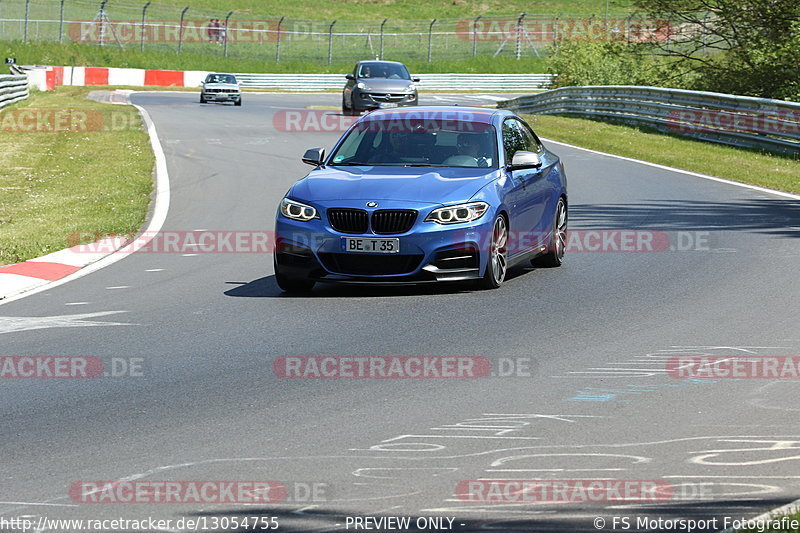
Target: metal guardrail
(12,89)
(434,82)
(722,118)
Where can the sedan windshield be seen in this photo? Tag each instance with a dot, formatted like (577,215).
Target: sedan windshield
(419,142)
(383,70)
(220,78)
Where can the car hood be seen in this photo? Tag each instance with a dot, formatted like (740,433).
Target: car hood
(221,86)
(385,84)
(439,185)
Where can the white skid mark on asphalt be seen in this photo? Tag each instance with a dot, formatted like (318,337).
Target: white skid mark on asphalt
(41,504)
(11,324)
(119,287)
(76,303)
(188,255)
(154,270)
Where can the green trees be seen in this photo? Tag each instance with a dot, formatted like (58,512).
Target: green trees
(748,47)
(611,62)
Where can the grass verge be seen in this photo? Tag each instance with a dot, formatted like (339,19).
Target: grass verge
(405,9)
(92,174)
(736,164)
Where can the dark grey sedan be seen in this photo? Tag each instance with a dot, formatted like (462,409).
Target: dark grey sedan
(378,85)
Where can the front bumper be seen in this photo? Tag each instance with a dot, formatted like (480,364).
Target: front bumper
(221,97)
(368,100)
(429,252)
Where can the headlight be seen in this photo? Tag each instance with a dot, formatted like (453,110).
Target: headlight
(297,211)
(456,214)
(411,88)
(361,85)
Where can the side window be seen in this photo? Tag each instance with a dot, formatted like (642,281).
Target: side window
(513,138)
(532,142)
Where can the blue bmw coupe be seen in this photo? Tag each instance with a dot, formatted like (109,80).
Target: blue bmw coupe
(425,194)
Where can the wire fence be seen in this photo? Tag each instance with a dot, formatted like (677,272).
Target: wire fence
(149,26)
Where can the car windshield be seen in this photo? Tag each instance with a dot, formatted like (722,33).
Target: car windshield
(419,141)
(383,70)
(220,78)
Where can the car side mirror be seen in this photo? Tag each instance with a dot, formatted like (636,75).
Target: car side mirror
(415,80)
(314,156)
(350,77)
(523,159)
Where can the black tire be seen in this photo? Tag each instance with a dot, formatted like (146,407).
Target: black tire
(291,285)
(238,102)
(497,264)
(202,100)
(349,111)
(554,256)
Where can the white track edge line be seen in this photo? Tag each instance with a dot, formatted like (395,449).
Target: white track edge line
(681,171)
(777,513)
(160,210)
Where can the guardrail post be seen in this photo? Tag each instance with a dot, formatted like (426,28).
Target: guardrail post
(225,35)
(278,44)
(330,42)
(430,39)
(25,31)
(519,35)
(382,25)
(555,30)
(102,17)
(61,23)
(144,29)
(475,35)
(180,30)
(628,28)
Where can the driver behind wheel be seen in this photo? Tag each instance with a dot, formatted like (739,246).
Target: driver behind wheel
(474,145)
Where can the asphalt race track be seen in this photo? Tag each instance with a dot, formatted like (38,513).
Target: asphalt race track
(589,397)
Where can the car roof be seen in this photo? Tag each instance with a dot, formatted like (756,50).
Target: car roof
(463,113)
(380,61)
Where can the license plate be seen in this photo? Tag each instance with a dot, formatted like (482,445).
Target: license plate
(370,246)
(383,106)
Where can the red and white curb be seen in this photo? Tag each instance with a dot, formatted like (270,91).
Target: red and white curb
(28,275)
(35,275)
(47,78)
